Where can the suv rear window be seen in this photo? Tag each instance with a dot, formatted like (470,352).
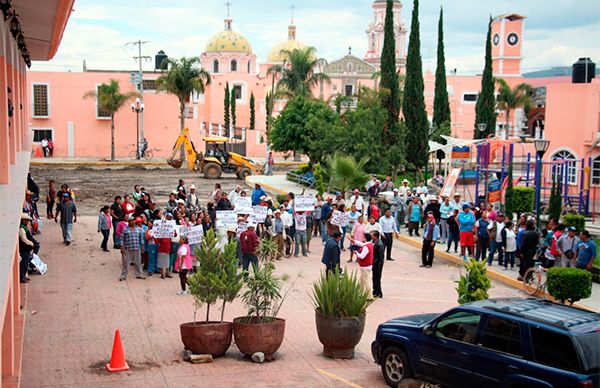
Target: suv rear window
(503,335)
(554,349)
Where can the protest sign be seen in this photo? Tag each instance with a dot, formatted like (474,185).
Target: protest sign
(259,214)
(243,205)
(338,218)
(304,203)
(163,228)
(241,228)
(39,264)
(194,234)
(226,219)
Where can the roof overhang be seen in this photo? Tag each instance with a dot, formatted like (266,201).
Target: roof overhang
(43,24)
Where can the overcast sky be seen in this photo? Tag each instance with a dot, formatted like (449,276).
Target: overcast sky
(557,32)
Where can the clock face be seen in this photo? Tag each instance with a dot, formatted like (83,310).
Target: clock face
(513,39)
(496,39)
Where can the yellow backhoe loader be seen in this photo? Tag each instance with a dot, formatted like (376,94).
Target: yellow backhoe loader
(215,161)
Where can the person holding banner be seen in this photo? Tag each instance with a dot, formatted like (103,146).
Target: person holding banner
(300,233)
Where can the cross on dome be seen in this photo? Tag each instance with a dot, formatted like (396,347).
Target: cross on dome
(228,5)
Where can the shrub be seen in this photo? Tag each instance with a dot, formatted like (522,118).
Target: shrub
(576,220)
(280,198)
(319,179)
(474,285)
(263,298)
(304,167)
(555,201)
(523,199)
(569,284)
(340,295)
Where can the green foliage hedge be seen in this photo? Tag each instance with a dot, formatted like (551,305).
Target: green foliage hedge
(576,220)
(569,284)
(523,199)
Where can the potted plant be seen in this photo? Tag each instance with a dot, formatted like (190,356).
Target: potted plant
(473,285)
(261,330)
(216,279)
(340,310)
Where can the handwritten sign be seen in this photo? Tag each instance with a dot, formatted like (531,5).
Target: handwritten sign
(304,203)
(338,218)
(259,214)
(163,228)
(194,234)
(243,205)
(226,219)
(39,264)
(241,228)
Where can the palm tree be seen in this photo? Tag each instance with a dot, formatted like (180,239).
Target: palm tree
(340,101)
(367,97)
(183,77)
(111,100)
(510,99)
(345,172)
(297,74)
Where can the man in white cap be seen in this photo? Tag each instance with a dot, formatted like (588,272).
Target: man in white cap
(249,241)
(357,201)
(404,189)
(192,202)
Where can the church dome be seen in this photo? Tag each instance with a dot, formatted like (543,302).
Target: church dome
(275,55)
(228,41)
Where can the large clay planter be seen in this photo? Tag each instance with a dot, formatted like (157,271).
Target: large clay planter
(206,337)
(339,336)
(252,336)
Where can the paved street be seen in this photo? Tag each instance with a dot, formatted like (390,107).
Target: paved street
(74,309)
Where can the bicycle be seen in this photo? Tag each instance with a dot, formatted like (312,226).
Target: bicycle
(148,154)
(534,280)
(288,246)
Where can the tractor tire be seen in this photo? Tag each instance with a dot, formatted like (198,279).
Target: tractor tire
(212,170)
(243,173)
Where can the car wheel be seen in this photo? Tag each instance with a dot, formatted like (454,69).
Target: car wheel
(395,365)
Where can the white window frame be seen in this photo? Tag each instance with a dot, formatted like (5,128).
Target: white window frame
(462,98)
(597,156)
(40,129)
(33,84)
(572,177)
(97,108)
(244,86)
(345,91)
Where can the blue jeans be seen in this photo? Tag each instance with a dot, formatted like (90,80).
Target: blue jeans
(344,228)
(67,230)
(509,256)
(116,239)
(324,235)
(152,258)
(246,260)
(496,246)
(300,239)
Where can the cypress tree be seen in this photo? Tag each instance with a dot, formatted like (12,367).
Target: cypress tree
(226,117)
(252,110)
(389,77)
(441,105)
(413,101)
(485,110)
(509,195)
(232,104)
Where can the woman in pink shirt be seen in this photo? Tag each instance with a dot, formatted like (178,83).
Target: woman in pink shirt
(183,263)
(357,234)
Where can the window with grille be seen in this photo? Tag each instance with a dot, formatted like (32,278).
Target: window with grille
(470,97)
(41,104)
(596,171)
(149,84)
(569,163)
(40,134)
(101,113)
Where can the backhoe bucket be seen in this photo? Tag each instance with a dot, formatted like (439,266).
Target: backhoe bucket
(175,163)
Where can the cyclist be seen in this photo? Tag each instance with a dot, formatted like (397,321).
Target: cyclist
(143,147)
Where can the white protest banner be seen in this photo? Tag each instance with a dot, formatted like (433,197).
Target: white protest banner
(243,205)
(163,228)
(241,228)
(226,219)
(39,264)
(304,203)
(336,218)
(259,214)
(194,234)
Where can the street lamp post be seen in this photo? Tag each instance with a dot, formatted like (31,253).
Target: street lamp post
(541,146)
(137,107)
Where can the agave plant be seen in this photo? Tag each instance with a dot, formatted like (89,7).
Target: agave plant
(340,295)
(345,172)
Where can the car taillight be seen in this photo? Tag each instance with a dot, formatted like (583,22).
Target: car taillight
(585,384)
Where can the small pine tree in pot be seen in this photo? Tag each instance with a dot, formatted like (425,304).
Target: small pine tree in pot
(473,285)
(216,279)
(568,285)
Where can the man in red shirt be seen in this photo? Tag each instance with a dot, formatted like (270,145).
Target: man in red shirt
(249,241)
(365,261)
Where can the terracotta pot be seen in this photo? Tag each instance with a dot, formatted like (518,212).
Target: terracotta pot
(253,336)
(206,337)
(339,336)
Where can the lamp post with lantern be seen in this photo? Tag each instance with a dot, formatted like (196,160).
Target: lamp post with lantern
(137,107)
(541,146)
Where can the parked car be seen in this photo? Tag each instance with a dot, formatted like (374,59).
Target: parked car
(511,342)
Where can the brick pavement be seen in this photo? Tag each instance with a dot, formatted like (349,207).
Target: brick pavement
(80,302)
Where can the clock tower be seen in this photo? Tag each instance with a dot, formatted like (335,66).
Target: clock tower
(507,44)
(375,35)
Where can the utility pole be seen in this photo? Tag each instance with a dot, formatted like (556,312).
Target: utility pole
(139,59)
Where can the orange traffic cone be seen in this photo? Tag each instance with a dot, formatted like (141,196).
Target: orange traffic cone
(117,359)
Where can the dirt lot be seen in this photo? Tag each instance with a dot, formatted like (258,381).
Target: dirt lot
(97,187)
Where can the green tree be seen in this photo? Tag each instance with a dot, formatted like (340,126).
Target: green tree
(509,208)
(232,104)
(340,102)
(389,77)
(227,107)
(269,114)
(183,77)
(510,99)
(252,110)
(413,103)
(298,76)
(441,104)
(555,201)
(345,172)
(111,100)
(485,109)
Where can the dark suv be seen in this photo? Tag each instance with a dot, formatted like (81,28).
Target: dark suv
(509,342)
